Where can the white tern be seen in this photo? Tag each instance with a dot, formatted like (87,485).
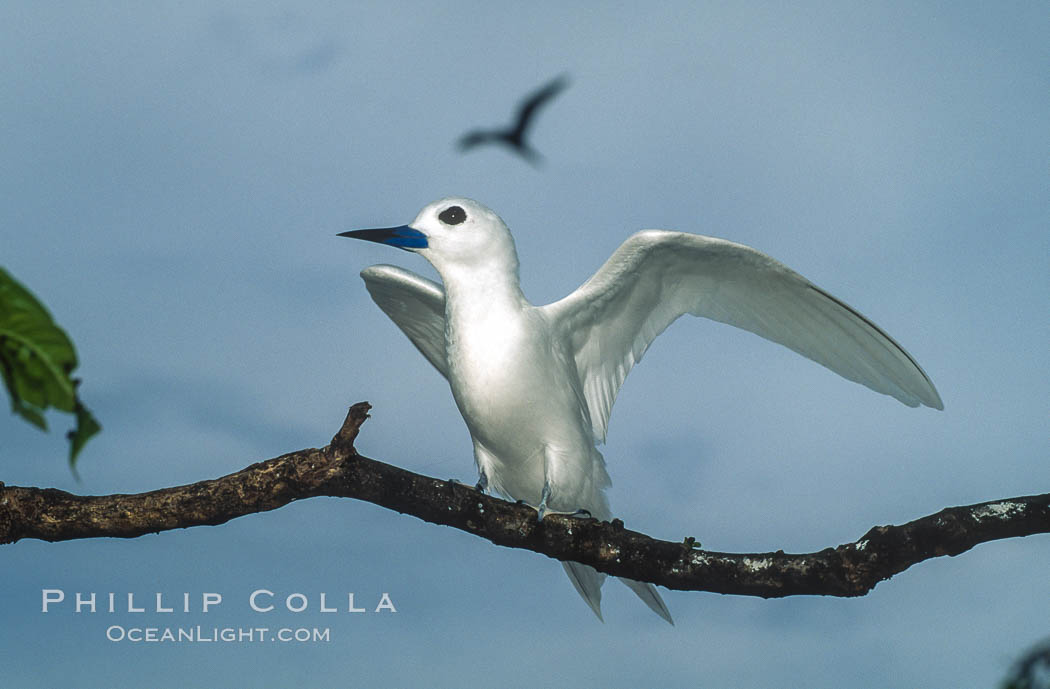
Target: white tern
(536,384)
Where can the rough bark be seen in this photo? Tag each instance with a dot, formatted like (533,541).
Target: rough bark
(337,470)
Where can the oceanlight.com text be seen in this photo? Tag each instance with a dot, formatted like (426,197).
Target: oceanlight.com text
(202,634)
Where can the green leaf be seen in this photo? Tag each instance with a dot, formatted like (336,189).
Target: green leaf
(36,362)
(87,426)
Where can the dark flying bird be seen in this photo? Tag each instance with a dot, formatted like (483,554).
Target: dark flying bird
(515,135)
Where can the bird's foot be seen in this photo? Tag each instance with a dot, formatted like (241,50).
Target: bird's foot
(483,482)
(543,510)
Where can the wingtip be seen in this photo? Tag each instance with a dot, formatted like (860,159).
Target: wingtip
(928,396)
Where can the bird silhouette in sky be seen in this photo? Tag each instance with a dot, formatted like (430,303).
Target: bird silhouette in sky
(514,136)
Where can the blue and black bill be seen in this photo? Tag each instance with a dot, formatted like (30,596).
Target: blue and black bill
(403,237)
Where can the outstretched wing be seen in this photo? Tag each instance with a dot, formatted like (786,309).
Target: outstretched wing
(415,304)
(656,276)
(535,100)
(475,138)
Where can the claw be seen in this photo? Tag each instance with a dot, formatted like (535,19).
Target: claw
(543,510)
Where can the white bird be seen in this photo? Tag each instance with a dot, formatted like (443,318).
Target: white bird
(536,384)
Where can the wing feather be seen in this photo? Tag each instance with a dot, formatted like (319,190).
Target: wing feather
(415,304)
(657,276)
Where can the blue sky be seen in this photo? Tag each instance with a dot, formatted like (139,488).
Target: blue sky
(175,176)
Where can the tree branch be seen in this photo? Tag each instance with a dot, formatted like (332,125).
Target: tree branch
(338,470)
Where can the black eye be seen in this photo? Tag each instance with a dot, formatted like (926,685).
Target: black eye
(453,215)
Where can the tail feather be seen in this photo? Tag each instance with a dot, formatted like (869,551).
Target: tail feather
(588,582)
(650,596)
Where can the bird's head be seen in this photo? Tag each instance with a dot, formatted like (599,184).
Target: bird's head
(457,236)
